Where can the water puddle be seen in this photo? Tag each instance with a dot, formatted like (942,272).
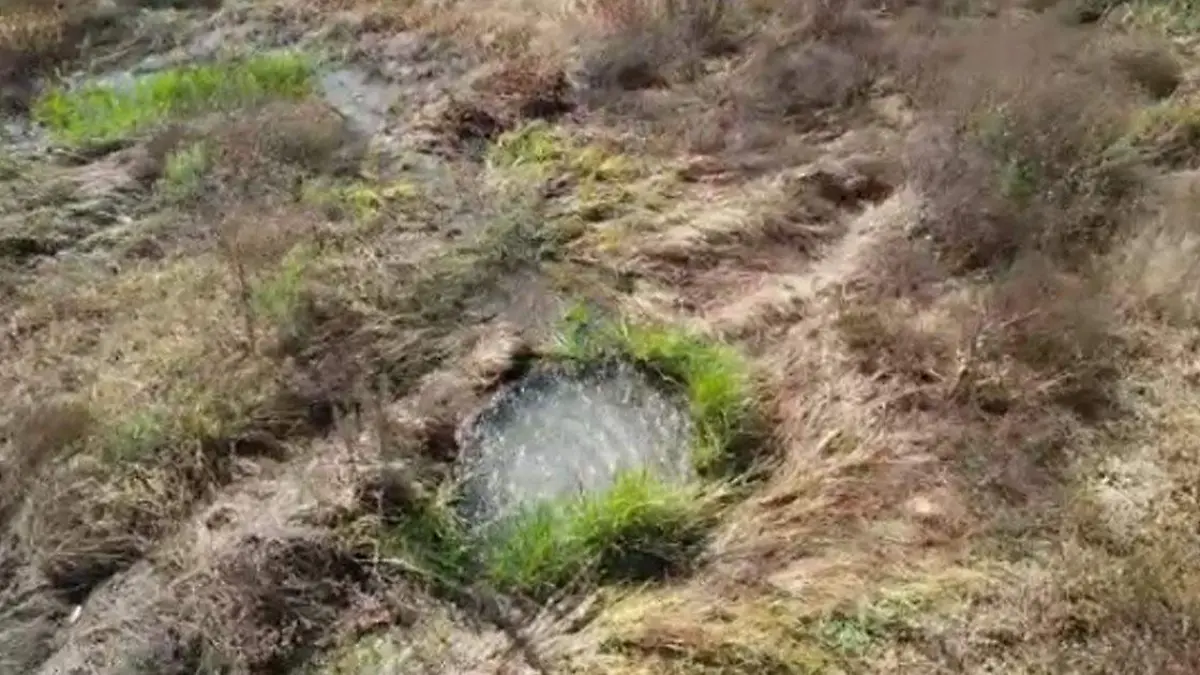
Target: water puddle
(554,435)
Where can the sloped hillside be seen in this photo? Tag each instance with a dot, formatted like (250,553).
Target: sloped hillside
(921,275)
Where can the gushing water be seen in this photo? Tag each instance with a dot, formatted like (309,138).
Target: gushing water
(554,435)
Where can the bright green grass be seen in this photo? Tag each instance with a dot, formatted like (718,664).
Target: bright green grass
(101,113)
(640,528)
(714,377)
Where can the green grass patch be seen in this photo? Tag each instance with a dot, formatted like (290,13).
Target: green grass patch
(541,148)
(641,528)
(715,378)
(601,178)
(432,539)
(101,112)
(279,296)
(185,172)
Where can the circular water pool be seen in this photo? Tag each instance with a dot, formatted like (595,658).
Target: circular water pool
(556,434)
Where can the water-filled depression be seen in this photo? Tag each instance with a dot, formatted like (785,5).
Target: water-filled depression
(555,434)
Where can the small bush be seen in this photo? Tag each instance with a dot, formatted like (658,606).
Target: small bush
(266,605)
(1025,155)
(101,113)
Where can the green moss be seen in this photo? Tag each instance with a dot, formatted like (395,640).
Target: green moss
(640,528)
(535,146)
(101,113)
(363,201)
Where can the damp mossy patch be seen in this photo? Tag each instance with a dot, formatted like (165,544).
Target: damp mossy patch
(103,112)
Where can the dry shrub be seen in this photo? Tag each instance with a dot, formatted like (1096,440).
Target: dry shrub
(635,44)
(261,154)
(1111,614)
(1037,337)
(1059,328)
(1024,154)
(269,603)
(1156,270)
(37,36)
(814,56)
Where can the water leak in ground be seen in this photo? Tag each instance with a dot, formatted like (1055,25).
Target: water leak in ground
(553,435)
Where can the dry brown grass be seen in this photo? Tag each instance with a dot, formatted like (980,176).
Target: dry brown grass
(1027,155)
(266,604)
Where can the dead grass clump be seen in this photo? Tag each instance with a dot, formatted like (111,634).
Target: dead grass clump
(33,37)
(1029,155)
(35,436)
(889,342)
(87,527)
(1156,271)
(1150,66)
(638,45)
(257,155)
(269,604)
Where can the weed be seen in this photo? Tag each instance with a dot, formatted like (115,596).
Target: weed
(536,145)
(103,112)
(1167,132)
(136,436)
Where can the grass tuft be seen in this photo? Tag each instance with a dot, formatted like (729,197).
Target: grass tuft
(715,378)
(102,112)
(639,529)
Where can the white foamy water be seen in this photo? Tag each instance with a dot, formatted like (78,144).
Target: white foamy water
(556,435)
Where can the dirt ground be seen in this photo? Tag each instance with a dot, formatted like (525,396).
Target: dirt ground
(956,241)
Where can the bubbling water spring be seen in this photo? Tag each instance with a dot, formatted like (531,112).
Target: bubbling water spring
(555,434)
